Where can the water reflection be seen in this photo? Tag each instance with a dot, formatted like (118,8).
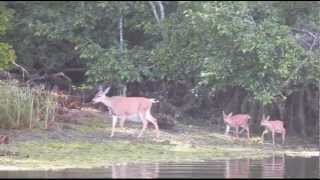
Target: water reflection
(135,171)
(237,168)
(273,167)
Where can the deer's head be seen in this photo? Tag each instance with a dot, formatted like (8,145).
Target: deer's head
(265,120)
(226,117)
(101,95)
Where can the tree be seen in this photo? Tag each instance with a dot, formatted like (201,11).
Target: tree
(7,54)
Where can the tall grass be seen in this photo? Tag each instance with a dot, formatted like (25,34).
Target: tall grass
(22,107)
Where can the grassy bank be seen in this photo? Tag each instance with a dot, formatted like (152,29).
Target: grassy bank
(87,144)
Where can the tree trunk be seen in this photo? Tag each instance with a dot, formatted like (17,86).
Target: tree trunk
(233,104)
(159,19)
(282,108)
(301,112)
(244,104)
(318,127)
(121,33)
(291,118)
(123,89)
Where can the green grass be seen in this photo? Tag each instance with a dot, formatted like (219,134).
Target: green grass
(57,154)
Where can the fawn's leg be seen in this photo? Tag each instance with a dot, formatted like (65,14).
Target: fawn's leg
(237,132)
(273,137)
(227,130)
(248,132)
(247,129)
(263,133)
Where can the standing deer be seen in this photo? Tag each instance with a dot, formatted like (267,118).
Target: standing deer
(128,107)
(237,121)
(275,126)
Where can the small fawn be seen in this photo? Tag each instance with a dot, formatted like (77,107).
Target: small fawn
(237,121)
(274,126)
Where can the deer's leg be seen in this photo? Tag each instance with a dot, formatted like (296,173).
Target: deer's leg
(227,130)
(144,124)
(114,122)
(241,130)
(248,132)
(283,136)
(122,120)
(262,135)
(237,131)
(154,122)
(247,129)
(273,137)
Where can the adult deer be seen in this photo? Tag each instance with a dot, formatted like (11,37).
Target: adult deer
(275,126)
(237,121)
(128,107)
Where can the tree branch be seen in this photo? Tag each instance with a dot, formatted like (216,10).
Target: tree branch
(161,10)
(304,31)
(154,11)
(22,68)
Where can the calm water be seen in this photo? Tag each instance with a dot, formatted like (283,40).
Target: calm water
(274,167)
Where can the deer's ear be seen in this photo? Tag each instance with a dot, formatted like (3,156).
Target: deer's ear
(224,114)
(230,114)
(268,117)
(106,91)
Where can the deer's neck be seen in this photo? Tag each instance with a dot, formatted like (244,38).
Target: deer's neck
(268,126)
(107,101)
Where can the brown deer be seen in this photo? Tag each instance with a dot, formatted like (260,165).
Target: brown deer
(128,107)
(237,121)
(274,126)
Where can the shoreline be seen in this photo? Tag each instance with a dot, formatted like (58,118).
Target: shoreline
(88,145)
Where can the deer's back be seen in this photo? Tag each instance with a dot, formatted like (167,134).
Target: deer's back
(276,125)
(129,105)
(239,119)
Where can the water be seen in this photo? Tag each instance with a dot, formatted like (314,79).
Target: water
(273,167)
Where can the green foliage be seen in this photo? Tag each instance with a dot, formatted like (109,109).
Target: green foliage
(131,65)
(254,53)
(7,54)
(246,44)
(5,18)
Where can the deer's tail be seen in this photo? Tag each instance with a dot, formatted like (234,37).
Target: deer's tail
(154,100)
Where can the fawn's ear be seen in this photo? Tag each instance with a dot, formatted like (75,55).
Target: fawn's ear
(224,114)
(230,114)
(268,117)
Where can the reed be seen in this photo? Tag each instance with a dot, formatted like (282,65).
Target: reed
(23,107)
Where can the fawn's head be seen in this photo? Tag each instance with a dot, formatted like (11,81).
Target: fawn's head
(101,95)
(226,118)
(265,120)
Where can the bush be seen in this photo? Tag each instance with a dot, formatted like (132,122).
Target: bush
(22,107)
